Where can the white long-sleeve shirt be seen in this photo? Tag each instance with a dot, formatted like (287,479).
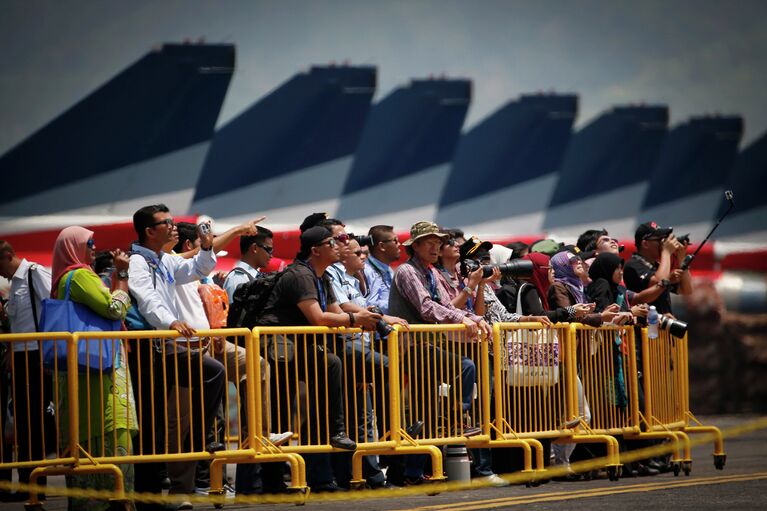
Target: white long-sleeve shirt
(19,305)
(157,302)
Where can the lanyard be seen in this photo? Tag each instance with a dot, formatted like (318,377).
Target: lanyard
(320,288)
(432,285)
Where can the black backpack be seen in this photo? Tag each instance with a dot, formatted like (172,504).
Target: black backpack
(250,299)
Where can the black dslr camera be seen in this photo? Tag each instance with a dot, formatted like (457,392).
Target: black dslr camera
(382,327)
(517,269)
(363,239)
(673,326)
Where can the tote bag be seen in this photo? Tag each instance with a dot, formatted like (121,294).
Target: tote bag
(68,316)
(533,355)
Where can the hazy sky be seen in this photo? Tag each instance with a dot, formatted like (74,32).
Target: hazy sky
(696,56)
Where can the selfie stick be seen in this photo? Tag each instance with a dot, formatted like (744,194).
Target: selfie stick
(690,257)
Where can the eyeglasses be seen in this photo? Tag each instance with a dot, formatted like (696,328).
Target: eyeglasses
(168,222)
(358,253)
(265,248)
(342,238)
(331,243)
(91,243)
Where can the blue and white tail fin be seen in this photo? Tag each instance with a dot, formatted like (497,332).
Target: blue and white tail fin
(290,153)
(404,156)
(140,138)
(748,221)
(685,190)
(606,172)
(505,167)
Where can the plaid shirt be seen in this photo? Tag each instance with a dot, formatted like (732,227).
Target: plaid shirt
(412,281)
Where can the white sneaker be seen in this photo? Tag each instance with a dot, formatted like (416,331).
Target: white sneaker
(185,506)
(228,491)
(280,438)
(493,480)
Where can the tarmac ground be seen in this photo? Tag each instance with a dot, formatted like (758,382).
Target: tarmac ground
(741,485)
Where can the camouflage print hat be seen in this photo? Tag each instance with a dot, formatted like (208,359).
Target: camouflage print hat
(423,229)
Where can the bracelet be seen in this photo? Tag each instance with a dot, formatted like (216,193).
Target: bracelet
(470,290)
(351,318)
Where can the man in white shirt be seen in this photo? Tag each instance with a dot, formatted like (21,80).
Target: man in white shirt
(30,401)
(153,278)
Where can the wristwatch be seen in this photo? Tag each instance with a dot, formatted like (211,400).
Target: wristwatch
(469,290)
(122,274)
(664,283)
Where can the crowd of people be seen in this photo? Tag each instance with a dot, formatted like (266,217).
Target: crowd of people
(337,279)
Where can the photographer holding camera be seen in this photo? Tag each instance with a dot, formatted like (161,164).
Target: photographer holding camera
(652,271)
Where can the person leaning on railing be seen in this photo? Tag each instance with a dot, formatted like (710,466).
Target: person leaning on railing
(74,252)
(303,297)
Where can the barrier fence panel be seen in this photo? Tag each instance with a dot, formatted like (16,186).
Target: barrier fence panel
(606,362)
(32,383)
(327,381)
(530,393)
(445,384)
(667,395)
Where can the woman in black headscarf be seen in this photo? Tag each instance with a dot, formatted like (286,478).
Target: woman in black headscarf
(606,273)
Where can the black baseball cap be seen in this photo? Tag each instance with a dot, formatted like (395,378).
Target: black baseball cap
(651,230)
(475,248)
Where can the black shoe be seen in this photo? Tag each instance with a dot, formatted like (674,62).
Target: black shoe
(414,481)
(14,497)
(215,447)
(341,441)
(414,429)
(386,485)
(654,464)
(628,471)
(645,471)
(330,487)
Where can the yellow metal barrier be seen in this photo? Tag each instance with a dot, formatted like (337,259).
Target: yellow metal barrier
(536,387)
(27,385)
(326,381)
(530,393)
(667,396)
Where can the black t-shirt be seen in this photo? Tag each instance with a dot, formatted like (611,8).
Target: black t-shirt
(637,274)
(296,285)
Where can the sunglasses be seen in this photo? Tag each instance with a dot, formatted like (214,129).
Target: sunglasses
(452,242)
(168,222)
(342,238)
(359,253)
(91,243)
(331,243)
(265,248)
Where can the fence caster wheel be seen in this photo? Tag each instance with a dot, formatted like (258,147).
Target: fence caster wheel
(612,473)
(719,461)
(33,507)
(687,467)
(357,485)
(676,467)
(218,505)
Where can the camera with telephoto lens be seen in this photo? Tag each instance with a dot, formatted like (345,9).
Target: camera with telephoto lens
(518,268)
(382,327)
(363,239)
(673,326)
